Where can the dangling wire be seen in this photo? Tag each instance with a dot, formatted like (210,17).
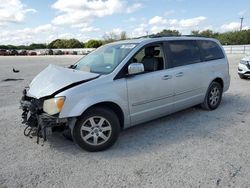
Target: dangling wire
(27,131)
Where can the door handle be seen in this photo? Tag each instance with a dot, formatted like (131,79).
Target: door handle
(166,77)
(180,74)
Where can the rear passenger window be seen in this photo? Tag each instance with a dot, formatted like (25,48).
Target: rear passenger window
(210,50)
(184,53)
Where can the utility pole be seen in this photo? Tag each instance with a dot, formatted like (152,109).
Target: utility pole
(241,22)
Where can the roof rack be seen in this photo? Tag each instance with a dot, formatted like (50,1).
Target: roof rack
(156,36)
(160,36)
(192,36)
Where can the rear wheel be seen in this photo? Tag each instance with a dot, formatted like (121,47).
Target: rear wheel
(213,96)
(97,129)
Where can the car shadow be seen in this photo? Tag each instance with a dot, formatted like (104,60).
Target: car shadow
(246,79)
(177,128)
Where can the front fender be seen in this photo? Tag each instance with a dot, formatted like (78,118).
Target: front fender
(87,102)
(72,109)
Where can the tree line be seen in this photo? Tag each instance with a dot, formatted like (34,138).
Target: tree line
(56,44)
(226,38)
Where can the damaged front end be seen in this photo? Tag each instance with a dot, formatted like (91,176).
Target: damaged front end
(39,123)
(41,103)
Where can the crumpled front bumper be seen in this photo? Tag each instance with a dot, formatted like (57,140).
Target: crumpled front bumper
(38,123)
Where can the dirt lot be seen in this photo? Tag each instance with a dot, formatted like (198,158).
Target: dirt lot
(192,148)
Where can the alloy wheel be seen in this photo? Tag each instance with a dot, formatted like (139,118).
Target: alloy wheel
(96,130)
(214,96)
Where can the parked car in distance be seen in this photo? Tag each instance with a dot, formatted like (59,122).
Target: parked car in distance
(40,52)
(3,52)
(123,84)
(23,52)
(81,53)
(58,52)
(32,53)
(48,52)
(13,52)
(65,52)
(244,67)
(72,52)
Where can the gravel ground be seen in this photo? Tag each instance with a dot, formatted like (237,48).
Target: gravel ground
(191,148)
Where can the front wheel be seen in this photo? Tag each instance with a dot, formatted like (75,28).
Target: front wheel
(97,129)
(213,96)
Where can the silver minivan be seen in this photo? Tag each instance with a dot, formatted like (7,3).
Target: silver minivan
(123,84)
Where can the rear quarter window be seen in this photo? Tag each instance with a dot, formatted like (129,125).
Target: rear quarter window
(210,50)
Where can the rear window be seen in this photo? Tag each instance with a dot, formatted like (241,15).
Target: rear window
(184,53)
(210,50)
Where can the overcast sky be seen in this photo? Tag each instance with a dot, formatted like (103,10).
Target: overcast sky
(27,21)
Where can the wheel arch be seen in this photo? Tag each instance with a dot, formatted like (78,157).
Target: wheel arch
(205,104)
(110,105)
(220,81)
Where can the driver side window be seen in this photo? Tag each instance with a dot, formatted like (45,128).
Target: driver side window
(151,57)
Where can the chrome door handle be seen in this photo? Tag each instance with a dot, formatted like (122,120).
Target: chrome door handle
(180,74)
(166,77)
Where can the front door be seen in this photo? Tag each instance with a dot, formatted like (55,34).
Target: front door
(151,93)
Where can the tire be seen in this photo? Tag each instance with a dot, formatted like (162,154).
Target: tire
(97,129)
(67,134)
(213,96)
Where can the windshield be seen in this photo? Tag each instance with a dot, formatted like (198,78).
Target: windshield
(105,59)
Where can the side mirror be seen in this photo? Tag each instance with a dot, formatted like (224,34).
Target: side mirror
(135,68)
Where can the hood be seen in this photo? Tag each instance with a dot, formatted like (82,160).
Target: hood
(54,78)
